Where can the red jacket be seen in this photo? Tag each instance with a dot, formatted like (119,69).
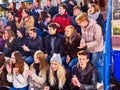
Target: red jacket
(62,20)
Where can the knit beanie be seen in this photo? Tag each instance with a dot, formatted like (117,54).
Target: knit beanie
(56,58)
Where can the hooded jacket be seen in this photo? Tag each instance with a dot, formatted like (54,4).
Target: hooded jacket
(93,37)
(19,42)
(86,77)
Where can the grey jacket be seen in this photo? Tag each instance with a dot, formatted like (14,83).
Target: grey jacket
(93,37)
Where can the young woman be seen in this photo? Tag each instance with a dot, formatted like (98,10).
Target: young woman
(8,42)
(4,84)
(72,41)
(58,77)
(38,72)
(84,73)
(17,72)
(22,6)
(94,13)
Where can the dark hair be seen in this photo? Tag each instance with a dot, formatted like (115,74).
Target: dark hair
(14,5)
(43,15)
(53,25)
(26,11)
(2,59)
(49,0)
(83,52)
(38,1)
(12,13)
(63,5)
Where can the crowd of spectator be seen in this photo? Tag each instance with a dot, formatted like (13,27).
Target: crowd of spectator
(52,48)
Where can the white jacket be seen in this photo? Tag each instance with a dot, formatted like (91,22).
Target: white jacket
(20,80)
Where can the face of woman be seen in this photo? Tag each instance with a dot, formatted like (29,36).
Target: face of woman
(24,14)
(6,35)
(82,59)
(36,59)
(35,3)
(13,59)
(91,10)
(68,32)
(54,66)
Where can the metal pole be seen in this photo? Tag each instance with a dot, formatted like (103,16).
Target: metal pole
(108,48)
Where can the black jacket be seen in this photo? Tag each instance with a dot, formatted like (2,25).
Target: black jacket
(69,6)
(58,44)
(50,10)
(86,77)
(13,26)
(66,85)
(100,21)
(34,45)
(76,26)
(19,42)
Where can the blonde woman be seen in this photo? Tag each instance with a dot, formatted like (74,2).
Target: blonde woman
(58,77)
(72,41)
(38,71)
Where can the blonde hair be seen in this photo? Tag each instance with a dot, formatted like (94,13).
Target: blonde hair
(73,35)
(42,61)
(82,17)
(61,75)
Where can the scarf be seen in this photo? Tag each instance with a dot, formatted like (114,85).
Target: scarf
(94,16)
(36,66)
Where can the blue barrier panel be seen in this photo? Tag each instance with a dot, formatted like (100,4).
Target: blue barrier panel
(116,69)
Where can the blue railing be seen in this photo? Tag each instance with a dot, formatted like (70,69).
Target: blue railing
(108,48)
